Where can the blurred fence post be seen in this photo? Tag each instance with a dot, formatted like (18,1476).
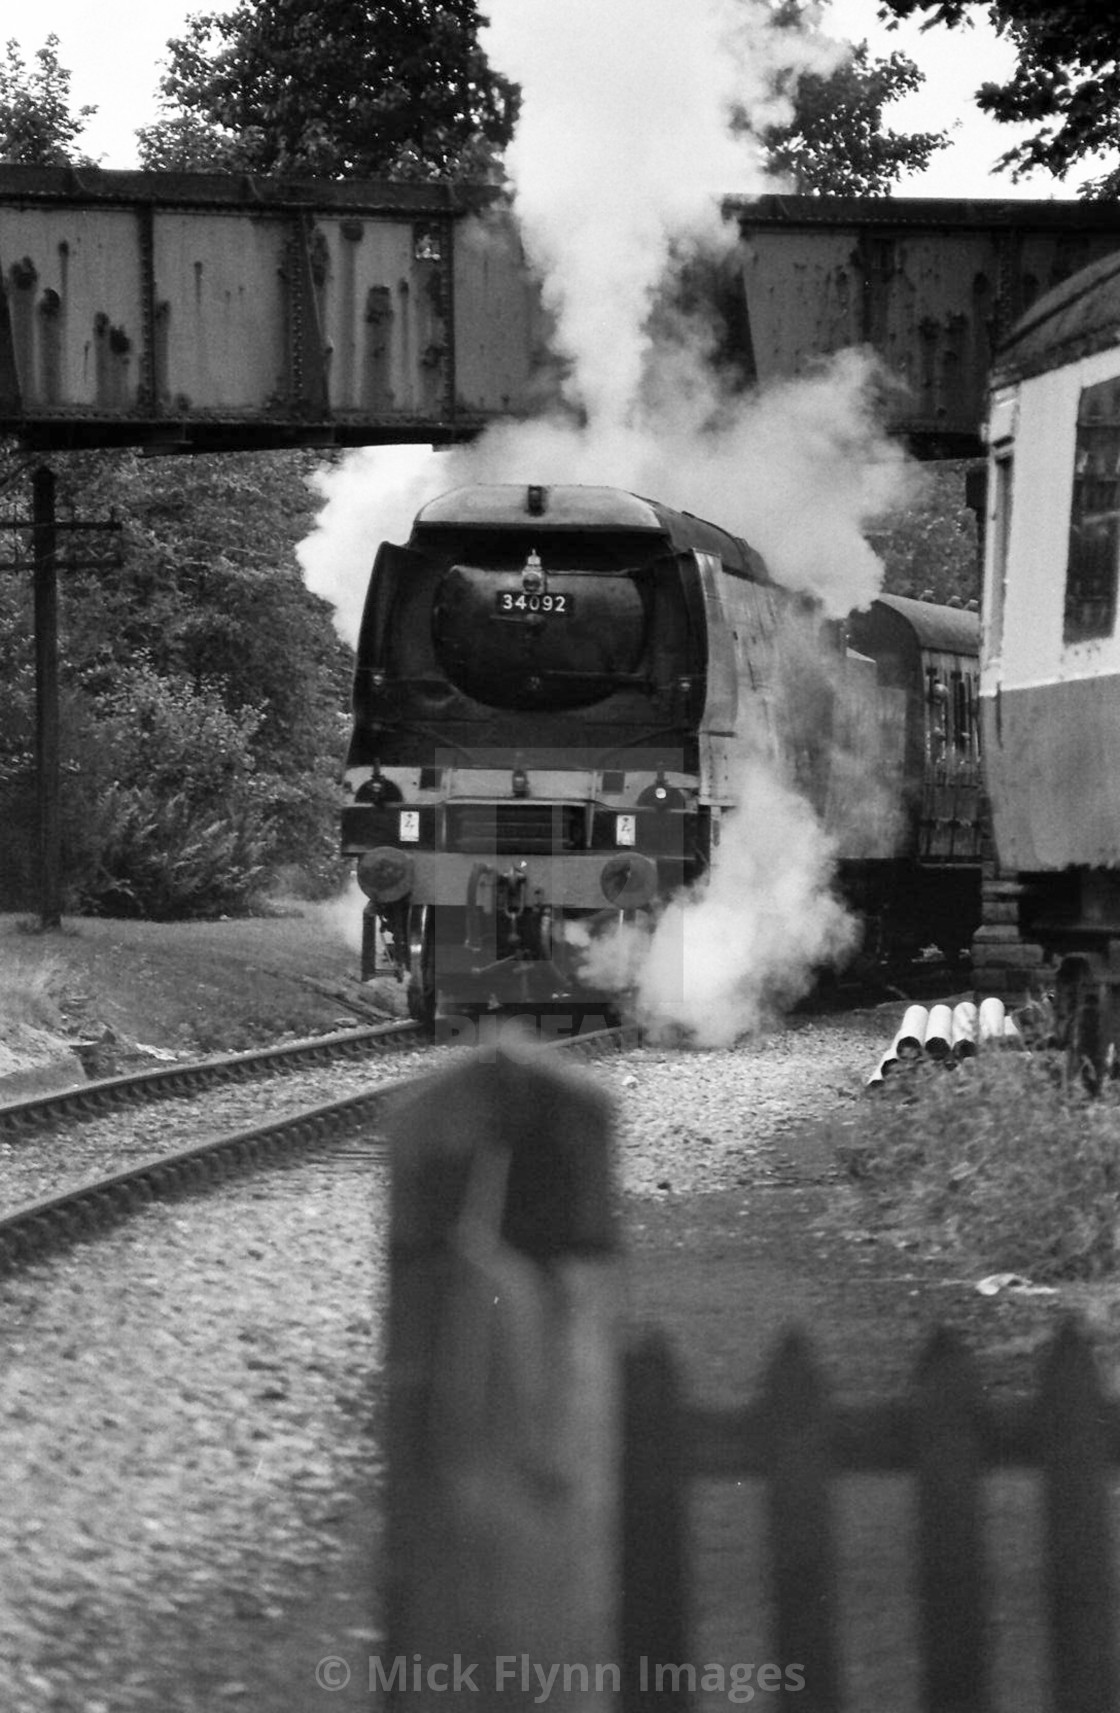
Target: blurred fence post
(503,1429)
(655,1571)
(952,1578)
(1080,1570)
(798,1416)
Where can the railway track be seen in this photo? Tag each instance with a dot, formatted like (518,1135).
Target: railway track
(165,1082)
(52,1223)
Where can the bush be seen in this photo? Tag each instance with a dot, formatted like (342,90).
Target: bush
(169,857)
(164,815)
(998,1158)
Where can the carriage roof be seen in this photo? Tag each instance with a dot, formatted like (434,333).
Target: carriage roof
(1075,319)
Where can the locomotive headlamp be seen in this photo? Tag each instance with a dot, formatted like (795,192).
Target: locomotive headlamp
(409,831)
(625,829)
(661,796)
(532,576)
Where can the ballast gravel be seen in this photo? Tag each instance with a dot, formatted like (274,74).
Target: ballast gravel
(47,1162)
(187,1402)
(690,1122)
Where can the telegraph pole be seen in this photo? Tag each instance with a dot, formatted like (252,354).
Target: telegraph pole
(43,527)
(46,697)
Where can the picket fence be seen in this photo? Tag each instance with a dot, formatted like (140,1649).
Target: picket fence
(540,1455)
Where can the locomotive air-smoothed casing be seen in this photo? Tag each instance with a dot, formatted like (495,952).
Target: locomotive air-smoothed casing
(568,645)
(593,646)
(1050,668)
(663,616)
(585,626)
(556,692)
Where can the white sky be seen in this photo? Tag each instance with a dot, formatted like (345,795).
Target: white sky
(114,50)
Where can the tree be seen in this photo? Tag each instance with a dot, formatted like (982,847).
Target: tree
(929,548)
(203,691)
(1066,81)
(836,142)
(183,142)
(340,88)
(37,127)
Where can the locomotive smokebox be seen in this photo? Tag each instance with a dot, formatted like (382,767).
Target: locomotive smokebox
(527,636)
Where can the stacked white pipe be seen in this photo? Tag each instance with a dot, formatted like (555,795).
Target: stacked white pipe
(947,1034)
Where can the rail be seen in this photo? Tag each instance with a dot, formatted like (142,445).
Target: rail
(44,1227)
(165,1082)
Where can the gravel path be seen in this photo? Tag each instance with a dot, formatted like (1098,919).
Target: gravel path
(185,1405)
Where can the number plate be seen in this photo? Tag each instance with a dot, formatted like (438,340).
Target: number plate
(516,604)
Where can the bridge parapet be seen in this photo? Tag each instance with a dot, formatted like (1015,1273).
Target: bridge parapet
(212,312)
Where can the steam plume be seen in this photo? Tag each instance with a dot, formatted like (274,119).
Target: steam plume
(622,155)
(748,942)
(623,152)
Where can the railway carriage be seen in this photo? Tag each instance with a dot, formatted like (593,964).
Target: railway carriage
(1050,680)
(555,691)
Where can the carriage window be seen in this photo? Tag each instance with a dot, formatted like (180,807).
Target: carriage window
(1094,525)
(1001,536)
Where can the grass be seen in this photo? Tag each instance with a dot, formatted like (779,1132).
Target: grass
(190,987)
(997,1158)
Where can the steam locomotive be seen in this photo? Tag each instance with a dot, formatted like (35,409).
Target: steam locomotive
(555,689)
(1050,680)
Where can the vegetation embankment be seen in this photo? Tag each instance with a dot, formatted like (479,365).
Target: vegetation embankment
(203,691)
(999,1161)
(191,988)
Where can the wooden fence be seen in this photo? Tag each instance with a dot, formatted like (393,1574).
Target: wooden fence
(540,1458)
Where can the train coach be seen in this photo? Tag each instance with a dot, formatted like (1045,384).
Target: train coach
(1050,675)
(555,691)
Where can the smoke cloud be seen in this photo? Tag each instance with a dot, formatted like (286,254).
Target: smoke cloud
(747,943)
(624,150)
(797,469)
(622,156)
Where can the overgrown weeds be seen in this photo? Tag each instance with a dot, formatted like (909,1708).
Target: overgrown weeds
(998,1158)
